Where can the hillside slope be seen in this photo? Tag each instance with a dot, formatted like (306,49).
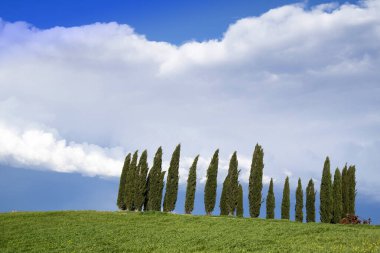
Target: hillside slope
(91,231)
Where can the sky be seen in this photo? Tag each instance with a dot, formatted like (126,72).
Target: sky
(83,84)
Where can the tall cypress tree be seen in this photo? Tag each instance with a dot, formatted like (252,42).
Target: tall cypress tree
(161,184)
(147,190)
(130,185)
(285,205)
(233,188)
(223,203)
(310,202)
(123,178)
(255,181)
(155,183)
(142,171)
(351,189)
(211,184)
(345,194)
(337,196)
(239,206)
(299,202)
(172,181)
(191,187)
(270,202)
(326,200)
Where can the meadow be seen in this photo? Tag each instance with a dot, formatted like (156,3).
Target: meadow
(94,231)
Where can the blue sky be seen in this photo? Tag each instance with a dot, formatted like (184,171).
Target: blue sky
(174,22)
(82,84)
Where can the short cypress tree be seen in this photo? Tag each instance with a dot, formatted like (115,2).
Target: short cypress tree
(130,185)
(351,189)
(141,179)
(337,196)
(172,181)
(155,183)
(326,200)
(123,178)
(233,186)
(345,194)
(211,184)
(223,203)
(255,181)
(191,187)
(310,202)
(299,202)
(239,207)
(270,201)
(285,205)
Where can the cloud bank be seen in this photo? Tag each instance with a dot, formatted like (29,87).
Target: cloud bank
(304,83)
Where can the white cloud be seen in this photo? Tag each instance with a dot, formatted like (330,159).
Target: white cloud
(42,149)
(303,83)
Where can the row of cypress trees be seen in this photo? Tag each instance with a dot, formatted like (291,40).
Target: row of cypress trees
(337,198)
(139,190)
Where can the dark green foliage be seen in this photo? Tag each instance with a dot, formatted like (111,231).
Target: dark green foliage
(285,205)
(337,197)
(233,186)
(123,177)
(255,181)
(155,183)
(130,184)
(270,201)
(223,203)
(239,206)
(141,180)
(211,184)
(172,181)
(326,200)
(351,189)
(230,191)
(147,190)
(310,202)
(161,183)
(345,194)
(191,186)
(299,202)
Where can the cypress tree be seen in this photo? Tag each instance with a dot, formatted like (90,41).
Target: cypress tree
(239,207)
(161,184)
(310,202)
(326,200)
(211,184)
(141,180)
(351,189)
(255,181)
(233,186)
(191,186)
(270,202)
(337,196)
(299,202)
(285,205)
(345,191)
(155,183)
(147,190)
(123,177)
(130,185)
(223,203)
(172,181)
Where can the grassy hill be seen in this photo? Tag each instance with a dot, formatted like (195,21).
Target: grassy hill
(91,231)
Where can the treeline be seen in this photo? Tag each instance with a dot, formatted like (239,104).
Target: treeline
(142,191)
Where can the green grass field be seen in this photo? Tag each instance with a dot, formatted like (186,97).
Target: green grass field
(91,231)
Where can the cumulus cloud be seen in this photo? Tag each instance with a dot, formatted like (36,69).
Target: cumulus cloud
(304,83)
